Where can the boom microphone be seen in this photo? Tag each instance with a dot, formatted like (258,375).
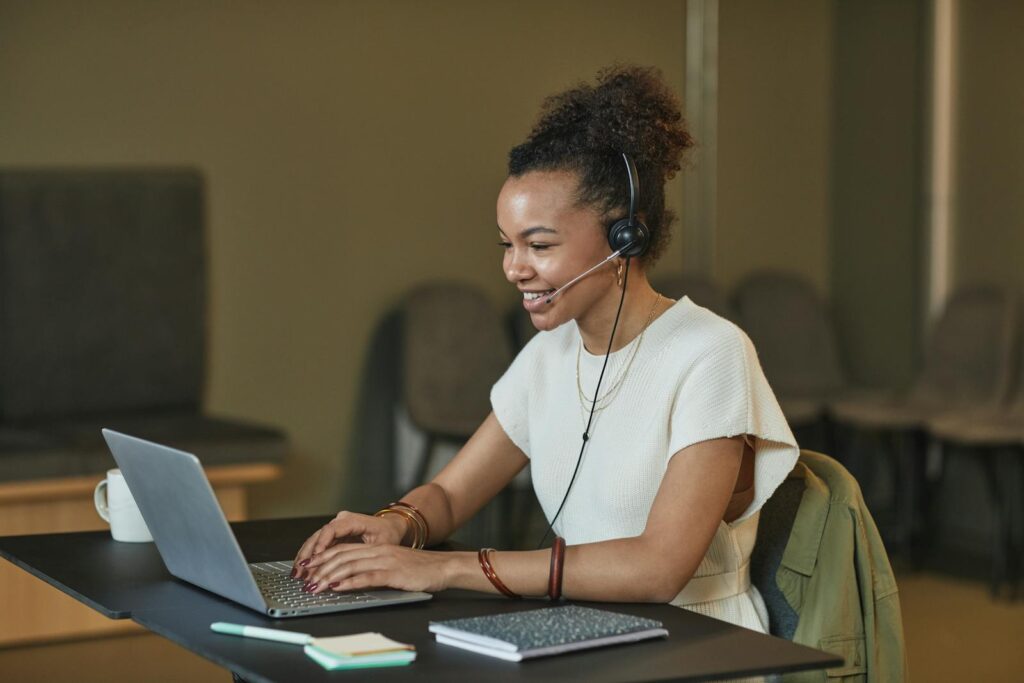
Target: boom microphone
(585,273)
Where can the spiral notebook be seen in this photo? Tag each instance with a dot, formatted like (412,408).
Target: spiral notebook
(515,636)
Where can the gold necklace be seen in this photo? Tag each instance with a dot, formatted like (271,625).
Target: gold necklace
(602,402)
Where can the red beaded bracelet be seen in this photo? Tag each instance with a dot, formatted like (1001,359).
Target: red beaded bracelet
(484,555)
(555,573)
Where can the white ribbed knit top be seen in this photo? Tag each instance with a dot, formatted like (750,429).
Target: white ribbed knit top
(695,376)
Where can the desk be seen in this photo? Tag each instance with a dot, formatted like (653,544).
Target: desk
(33,613)
(128,581)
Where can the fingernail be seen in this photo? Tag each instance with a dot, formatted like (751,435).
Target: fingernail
(304,563)
(305,587)
(313,587)
(295,572)
(333,584)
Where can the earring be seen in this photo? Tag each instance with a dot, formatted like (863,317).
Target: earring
(618,275)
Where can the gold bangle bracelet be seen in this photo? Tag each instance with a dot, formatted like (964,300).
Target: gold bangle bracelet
(416,518)
(416,541)
(411,521)
(419,517)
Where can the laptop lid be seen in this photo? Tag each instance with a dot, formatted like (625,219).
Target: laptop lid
(184,517)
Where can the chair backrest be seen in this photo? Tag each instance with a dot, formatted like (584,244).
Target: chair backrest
(969,351)
(455,347)
(701,291)
(1017,390)
(793,333)
(102,291)
(773,529)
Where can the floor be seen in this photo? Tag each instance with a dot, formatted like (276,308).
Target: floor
(954,632)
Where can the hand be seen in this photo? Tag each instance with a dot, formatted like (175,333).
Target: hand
(385,530)
(357,566)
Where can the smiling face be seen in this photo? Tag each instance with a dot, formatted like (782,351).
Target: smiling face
(549,239)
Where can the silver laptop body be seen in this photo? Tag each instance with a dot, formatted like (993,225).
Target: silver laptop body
(198,546)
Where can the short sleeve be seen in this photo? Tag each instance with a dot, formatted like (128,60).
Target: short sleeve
(723,394)
(510,399)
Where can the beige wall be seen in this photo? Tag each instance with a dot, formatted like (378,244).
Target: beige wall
(876,252)
(775,71)
(351,150)
(989,215)
(354,149)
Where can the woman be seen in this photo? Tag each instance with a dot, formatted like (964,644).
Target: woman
(659,501)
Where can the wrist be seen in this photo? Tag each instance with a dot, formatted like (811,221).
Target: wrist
(461,570)
(399,528)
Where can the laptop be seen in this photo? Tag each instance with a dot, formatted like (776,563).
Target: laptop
(198,546)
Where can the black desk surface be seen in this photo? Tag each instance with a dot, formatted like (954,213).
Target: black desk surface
(122,580)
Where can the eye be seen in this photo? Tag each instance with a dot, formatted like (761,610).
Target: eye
(505,245)
(539,246)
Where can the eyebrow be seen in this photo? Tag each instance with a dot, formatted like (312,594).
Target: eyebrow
(528,232)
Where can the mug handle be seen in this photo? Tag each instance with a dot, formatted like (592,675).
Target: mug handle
(99,498)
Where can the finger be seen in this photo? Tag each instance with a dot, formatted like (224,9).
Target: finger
(309,551)
(345,524)
(347,570)
(324,573)
(369,579)
(320,559)
(305,552)
(340,559)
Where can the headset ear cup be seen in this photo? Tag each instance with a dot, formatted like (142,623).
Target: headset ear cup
(622,234)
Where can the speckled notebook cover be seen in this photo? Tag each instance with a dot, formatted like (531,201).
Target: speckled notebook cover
(547,628)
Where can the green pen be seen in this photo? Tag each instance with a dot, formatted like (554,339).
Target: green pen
(261,633)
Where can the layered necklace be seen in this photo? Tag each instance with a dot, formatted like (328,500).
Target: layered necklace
(602,402)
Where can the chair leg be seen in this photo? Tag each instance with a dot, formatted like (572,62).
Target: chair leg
(1009,463)
(999,535)
(932,489)
(909,491)
(1018,551)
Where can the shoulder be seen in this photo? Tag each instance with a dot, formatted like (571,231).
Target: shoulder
(700,337)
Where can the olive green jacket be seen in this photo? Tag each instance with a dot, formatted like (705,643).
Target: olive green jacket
(836,575)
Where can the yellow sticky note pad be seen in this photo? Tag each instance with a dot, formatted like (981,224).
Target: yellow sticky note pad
(360,644)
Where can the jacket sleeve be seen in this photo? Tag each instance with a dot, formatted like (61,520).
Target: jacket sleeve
(888,660)
(883,622)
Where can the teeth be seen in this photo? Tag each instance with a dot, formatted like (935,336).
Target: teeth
(533,296)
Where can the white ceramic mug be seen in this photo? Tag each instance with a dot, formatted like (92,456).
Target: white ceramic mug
(115,504)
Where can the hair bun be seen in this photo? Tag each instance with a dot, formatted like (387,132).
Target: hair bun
(630,109)
(586,129)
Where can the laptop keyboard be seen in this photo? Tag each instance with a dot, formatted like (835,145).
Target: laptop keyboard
(275,582)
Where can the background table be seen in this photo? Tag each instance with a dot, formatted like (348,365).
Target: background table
(129,581)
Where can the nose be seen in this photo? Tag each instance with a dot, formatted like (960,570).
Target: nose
(516,269)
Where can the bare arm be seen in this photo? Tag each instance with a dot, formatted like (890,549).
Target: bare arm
(654,566)
(482,467)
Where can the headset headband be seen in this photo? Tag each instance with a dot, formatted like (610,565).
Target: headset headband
(634,187)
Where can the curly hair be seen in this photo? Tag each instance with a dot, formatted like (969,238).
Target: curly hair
(587,128)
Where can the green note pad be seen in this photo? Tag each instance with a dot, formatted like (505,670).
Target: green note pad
(515,636)
(359,651)
(333,662)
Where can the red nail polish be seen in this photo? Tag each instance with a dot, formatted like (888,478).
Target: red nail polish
(304,563)
(305,587)
(295,572)
(333,584)
(313,587)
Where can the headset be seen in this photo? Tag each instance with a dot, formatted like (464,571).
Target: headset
(628,236)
